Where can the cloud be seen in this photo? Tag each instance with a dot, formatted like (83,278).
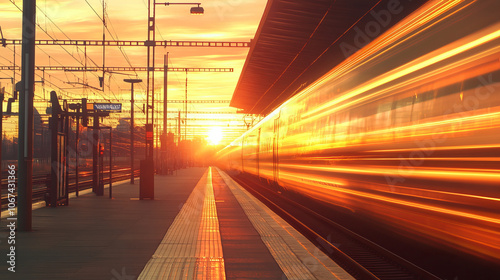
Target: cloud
(224,20)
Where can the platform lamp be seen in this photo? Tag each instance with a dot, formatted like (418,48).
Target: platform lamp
(132,82)
(197,10)
(194,10)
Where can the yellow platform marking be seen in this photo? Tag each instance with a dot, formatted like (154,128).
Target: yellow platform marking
(191,248)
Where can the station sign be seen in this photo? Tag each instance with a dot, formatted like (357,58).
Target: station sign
(116,107)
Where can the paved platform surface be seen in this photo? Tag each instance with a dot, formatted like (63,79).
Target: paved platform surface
(223,232)
(201,225)
(97,237)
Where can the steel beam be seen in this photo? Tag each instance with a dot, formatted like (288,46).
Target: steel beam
(133,43)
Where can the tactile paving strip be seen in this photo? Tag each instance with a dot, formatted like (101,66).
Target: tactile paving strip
(191,248)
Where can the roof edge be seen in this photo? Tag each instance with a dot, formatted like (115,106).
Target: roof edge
(252,48)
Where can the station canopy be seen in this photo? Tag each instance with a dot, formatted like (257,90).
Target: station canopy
(298,41)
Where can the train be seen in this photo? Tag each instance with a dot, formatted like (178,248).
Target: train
(405,131)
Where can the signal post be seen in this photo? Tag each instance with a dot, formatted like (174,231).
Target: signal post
(98,110)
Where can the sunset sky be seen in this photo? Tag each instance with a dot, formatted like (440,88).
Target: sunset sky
(225,20)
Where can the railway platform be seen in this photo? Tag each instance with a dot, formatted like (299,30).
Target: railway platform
(201,225)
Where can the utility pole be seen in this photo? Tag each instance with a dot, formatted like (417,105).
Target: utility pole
(179,130)
(104,40)
(2,96)
(76,149)
(150,84)
(165,158)
(110,162)
(25,134)
(132,131)
(132,82)
(185,108)
(96,187)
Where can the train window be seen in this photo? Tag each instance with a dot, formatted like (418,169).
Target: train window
(385,105)
(424,96)
(408,101)
(448,90)
(369,110)
(480,92)
(472,83)
(482,81)
(423,106)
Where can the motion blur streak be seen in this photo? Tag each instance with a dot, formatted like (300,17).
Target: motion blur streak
(403,132)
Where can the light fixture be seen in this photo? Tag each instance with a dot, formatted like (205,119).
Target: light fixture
(197,10)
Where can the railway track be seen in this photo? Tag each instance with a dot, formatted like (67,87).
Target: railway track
(41,181)
(359,256)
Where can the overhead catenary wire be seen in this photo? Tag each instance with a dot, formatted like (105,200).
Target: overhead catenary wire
(79,59)
(52,37)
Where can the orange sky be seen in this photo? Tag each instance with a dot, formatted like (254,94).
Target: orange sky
(225,20)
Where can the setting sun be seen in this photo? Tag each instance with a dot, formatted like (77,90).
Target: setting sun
(214,136)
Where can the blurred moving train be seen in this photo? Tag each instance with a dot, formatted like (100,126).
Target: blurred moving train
(406,131)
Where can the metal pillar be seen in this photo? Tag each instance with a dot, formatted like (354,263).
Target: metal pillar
(100,188)
(132,82)
(110,162)
(164,143)
(54,129)
(179,130)
(58,189)
(132,131)
(25,134)
(2,96)
(185,108)
(66,153)
(76,150)
(95,157)
(150,84)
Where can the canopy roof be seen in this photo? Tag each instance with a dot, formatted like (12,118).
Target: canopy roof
(298,41)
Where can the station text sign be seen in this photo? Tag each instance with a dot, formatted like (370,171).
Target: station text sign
(117,107)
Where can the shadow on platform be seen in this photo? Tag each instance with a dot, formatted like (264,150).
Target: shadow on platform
(97,237)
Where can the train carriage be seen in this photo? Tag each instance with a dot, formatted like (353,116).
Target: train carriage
(405,131)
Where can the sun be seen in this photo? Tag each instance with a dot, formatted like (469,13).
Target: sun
(214,136)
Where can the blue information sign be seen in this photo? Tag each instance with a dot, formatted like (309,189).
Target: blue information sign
(108,106)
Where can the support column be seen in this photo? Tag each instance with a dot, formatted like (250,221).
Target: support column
(25,134)
(164,142)
(95,157)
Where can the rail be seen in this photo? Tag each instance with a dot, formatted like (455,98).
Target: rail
(41,181)
(359,256)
